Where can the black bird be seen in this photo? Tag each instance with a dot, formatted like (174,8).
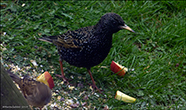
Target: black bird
(88,46)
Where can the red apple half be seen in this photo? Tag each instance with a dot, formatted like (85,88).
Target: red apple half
(118,69)
(46,78)
(121,96)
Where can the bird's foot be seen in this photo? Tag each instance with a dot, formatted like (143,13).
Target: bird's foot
(96,88)
(64,79)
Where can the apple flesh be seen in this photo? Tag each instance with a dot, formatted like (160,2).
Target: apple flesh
(46,78)
(126,98)
(118,69)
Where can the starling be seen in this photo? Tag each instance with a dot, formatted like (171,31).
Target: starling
(36,93)
(87,46)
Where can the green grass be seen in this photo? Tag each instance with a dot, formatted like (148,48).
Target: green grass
(156,52)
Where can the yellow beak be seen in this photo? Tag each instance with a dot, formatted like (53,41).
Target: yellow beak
(127,28)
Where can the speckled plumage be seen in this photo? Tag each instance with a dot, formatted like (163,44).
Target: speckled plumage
(88,46)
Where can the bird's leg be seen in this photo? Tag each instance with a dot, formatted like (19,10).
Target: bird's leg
(62,73)
(94,85)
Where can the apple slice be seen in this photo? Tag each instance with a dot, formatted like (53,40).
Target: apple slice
(121,96)
(118,69)
(46,78)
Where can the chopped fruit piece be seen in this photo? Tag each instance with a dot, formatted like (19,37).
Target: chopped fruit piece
(118,69)
(46,78)
(121,96)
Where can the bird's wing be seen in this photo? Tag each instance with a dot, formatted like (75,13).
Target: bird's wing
(28,86)
(74,39)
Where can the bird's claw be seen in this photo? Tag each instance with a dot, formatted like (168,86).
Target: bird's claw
(96,88)
(64,79)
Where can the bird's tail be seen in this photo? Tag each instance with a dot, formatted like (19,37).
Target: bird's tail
(49,39)
(15,77)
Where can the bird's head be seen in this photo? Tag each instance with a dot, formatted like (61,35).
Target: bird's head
(113,23)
